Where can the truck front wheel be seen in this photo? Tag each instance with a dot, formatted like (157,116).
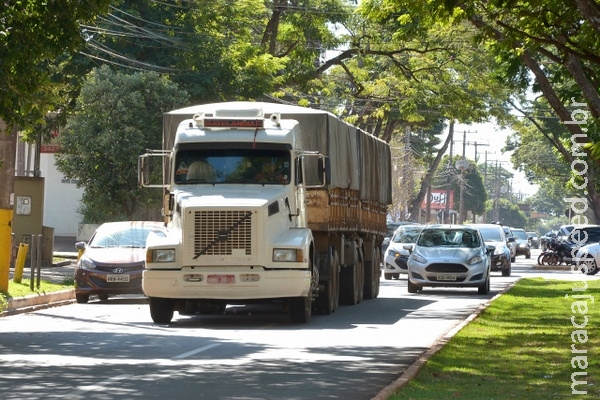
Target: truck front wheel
(161,310)
(300,309)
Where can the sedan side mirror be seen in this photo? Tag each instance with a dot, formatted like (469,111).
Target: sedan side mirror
(408,247)
(490,249)
(511,240)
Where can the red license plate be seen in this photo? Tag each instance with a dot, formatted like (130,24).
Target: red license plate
(220,278)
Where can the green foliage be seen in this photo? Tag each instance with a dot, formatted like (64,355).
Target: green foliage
(118,117)
(33,34)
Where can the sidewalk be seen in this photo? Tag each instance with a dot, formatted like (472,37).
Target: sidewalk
(59,272)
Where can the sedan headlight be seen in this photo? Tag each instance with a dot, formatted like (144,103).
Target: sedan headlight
(160,255)
(86,263)
(288,255)
(475,260)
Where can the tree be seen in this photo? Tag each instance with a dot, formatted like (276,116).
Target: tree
(118,117)
(32,35)
(554,41)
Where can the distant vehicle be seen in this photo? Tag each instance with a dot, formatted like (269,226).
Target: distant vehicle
(522,243)
(113,260)
(449,255)
(534,240)
(511,242)
(494,235)
(391,228)
(396,255)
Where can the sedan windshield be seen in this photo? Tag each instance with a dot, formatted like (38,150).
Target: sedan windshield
(407,234)
(132,237)
(520,234)
(448,238)
(491,234)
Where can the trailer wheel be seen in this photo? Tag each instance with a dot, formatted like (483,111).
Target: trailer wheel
(300,309)
(161,310)
(350,284)
(371,289)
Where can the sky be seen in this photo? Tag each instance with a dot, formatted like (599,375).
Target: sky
(490,138)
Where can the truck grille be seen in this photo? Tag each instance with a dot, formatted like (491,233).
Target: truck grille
(223,233)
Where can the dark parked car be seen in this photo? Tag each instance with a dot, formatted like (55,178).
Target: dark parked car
(522,242)
(113,260)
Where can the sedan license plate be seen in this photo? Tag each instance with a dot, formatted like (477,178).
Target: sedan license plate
(221,278)
(446,277)
(117,278)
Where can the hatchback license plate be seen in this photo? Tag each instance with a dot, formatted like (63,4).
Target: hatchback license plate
(220,278)
(117,278)
(446,277)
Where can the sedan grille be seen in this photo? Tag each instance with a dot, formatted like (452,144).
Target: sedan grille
(447,267)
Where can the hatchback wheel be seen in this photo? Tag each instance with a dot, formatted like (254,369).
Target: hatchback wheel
(82,298)
(412,288)
(507,271)
(485,287)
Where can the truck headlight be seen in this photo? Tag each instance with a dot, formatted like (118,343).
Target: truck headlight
(160,255)
(288,255)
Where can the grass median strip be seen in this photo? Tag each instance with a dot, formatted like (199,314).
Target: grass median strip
(23,289)
(539,340)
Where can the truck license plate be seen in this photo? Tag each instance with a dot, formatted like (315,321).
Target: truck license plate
(446,277)
(221,278)
(117,278)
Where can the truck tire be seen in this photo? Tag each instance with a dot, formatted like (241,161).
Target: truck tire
(351,280)
(161,310)
(371,289)
(300,309)
(328,300)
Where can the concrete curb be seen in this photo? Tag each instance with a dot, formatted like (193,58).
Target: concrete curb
(416,366)
(38,301)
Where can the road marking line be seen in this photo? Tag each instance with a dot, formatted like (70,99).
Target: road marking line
(196,351)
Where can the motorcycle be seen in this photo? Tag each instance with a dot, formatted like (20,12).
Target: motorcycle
(557,252)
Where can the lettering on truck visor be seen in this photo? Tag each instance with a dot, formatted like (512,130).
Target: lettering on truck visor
(233,123)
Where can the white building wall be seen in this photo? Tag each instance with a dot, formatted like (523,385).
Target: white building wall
(61,199)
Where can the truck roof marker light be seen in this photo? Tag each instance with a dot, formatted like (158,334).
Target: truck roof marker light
(199,120)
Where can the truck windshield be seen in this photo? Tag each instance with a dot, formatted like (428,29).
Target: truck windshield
(233,166)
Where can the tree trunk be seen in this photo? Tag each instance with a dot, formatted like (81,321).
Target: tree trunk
(8,148)
(415,207)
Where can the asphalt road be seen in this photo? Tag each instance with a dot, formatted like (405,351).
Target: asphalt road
(112,350)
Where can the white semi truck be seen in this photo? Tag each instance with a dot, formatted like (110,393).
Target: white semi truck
(265,202)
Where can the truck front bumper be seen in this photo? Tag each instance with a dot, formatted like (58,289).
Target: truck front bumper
(226,283)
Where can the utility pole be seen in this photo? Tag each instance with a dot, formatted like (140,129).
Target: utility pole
(449,167)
